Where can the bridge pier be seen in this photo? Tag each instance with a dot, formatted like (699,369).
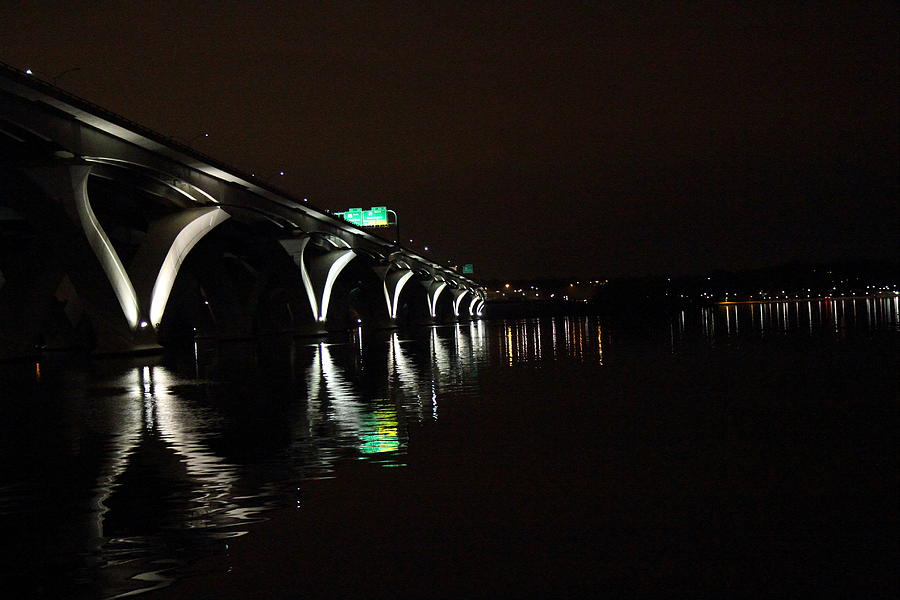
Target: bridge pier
(156,275)
(395,279)
(459,295)
(433,289)
(472,306)
(319,274)
(78,245)
(158,260)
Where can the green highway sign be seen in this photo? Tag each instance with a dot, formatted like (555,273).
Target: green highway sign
(354,215)
(374,217)
(468,269)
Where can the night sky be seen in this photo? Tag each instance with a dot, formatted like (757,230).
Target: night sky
(531,139)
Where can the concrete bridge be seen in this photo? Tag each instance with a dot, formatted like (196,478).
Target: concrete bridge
(115,238)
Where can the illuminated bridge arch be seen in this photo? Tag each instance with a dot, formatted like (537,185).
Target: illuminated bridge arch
(127,224)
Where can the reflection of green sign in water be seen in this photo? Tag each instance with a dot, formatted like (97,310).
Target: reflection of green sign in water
(468,269)
(379,433)
(374,217)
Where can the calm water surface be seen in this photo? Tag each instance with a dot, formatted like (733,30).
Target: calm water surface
(747,447)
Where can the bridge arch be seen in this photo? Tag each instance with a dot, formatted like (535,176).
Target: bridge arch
(56,292)
(414,302)
(358,296)
(127,224)
(236,283)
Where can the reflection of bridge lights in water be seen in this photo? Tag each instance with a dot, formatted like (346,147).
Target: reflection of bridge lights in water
(178,425)
(476,331)
(833,314)
(583,338)
(434,402)
(333,399)
(128,424)
(554,336)
(441,365)
(599,344)
(523,341)
(149,400)
(151,411)
(403,375)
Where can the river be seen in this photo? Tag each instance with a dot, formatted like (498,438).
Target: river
(746,448)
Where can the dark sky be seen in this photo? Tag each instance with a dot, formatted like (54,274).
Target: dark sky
(531,139)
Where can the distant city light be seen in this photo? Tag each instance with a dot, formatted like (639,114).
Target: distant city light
(29,72)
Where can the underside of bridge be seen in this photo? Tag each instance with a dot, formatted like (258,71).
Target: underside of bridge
(161,270)
(113,241)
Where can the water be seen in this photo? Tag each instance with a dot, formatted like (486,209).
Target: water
(747,447)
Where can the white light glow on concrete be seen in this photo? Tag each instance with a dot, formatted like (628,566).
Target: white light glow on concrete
(307,283)
(333,272)
(457,302)
(192,233)
(472,306)
(434,299)
(387,296)
(107,256)
(397,289)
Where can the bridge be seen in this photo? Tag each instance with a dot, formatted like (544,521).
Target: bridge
(115,238)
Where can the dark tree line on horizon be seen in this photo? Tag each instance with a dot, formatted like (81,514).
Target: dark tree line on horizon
(787,281)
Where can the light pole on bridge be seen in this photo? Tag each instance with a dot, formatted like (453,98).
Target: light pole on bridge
(396,225)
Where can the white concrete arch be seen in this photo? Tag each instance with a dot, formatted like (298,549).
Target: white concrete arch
(318,273)
(197,225)
(433,295)
(68,183)
(394,282)
(104,250)
(472,304)
(143,289)
(458,295)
